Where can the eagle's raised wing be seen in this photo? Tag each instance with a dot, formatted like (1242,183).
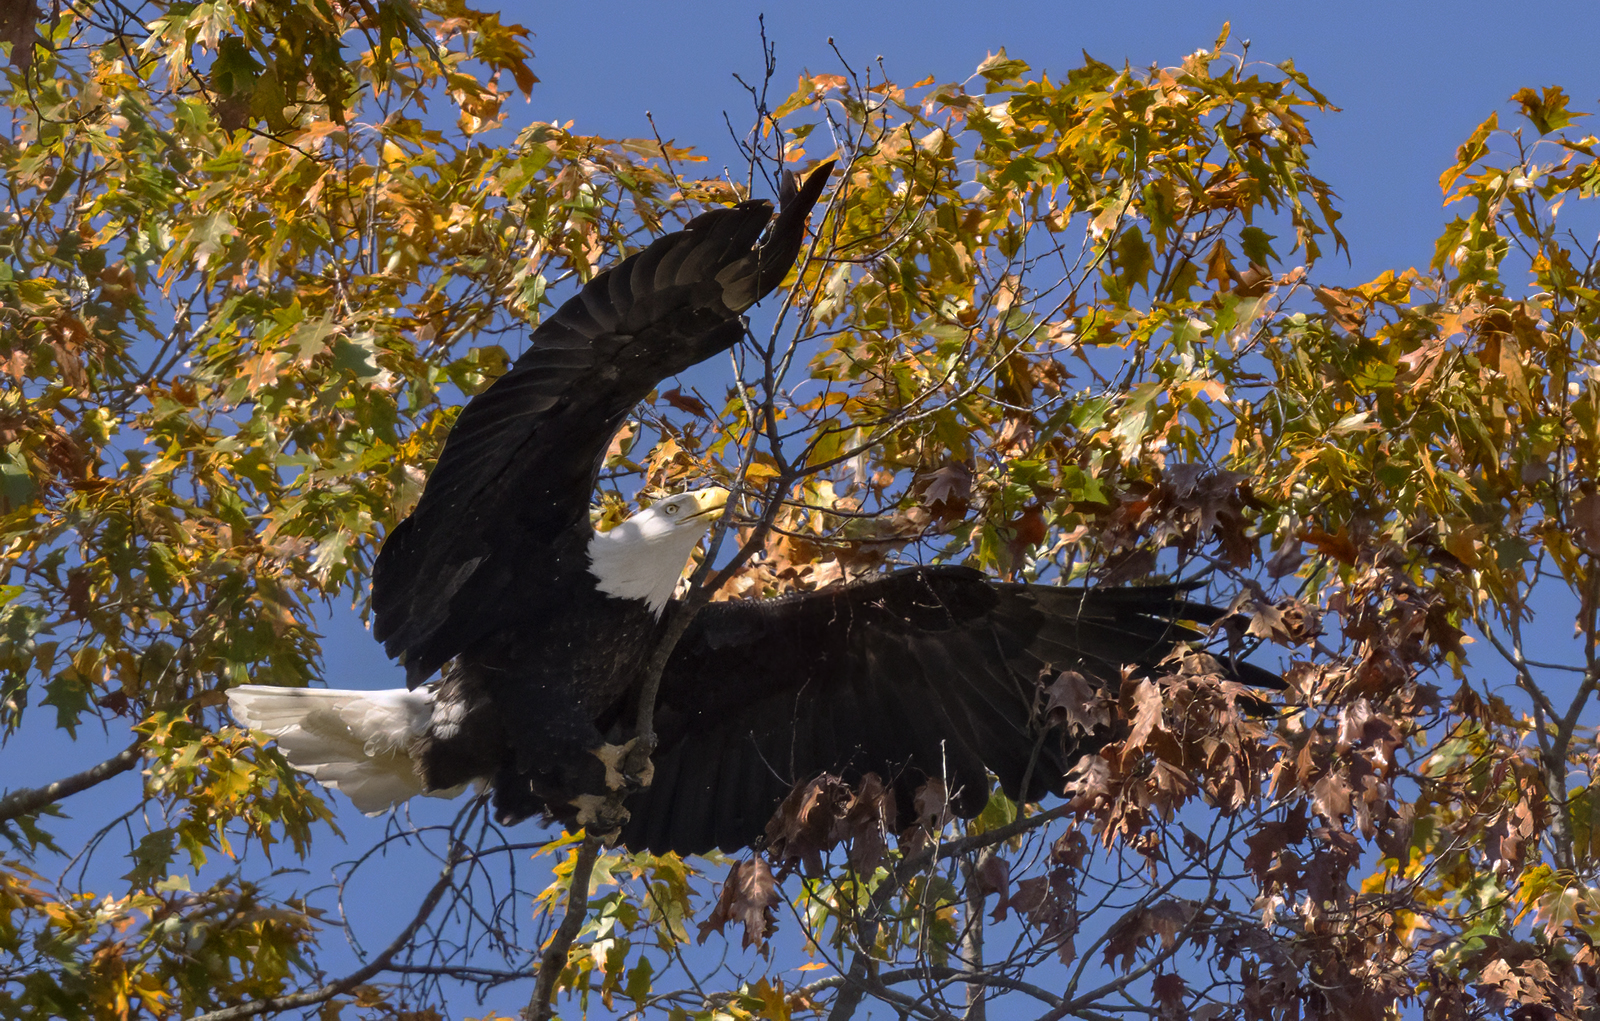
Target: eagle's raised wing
(927,672)
(519,467)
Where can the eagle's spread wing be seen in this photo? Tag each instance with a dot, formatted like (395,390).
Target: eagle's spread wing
(924,672)
(520,464)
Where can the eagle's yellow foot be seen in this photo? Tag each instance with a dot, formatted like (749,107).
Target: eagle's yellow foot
(600,816)
(628,766)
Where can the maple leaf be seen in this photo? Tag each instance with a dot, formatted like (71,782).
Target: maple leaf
(1135,930)
(1148,711)
(1030,895)
(1345,312)
(1269,858)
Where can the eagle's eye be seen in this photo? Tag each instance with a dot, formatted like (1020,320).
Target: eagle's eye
(670,509)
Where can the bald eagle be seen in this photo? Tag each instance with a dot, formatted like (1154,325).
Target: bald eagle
(542,626)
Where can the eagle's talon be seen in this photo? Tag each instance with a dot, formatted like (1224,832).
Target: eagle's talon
(600,816)
(628,766)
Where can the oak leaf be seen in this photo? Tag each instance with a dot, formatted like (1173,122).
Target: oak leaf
(1073,702)
(749,896)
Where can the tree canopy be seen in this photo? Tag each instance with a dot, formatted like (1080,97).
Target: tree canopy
(255,256)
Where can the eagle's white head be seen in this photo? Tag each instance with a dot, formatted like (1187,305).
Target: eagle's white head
(643,557)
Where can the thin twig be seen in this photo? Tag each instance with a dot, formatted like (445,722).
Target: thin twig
(360,975)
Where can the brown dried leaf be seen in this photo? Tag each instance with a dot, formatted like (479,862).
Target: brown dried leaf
(1169,990)
(1337,545)
(948,491)
(1069,849)
(1345,313)
(686,403)
(19,20)
(1073,702)
(1028,530)
(993,875)
(1148,709)
(77,593)
(932,805)
(824,812)
(1135,930)
(70,364)
(116,702)
(1353,724)
(1031,893)
(1016,436)
(868,822)
(1255,281)
(803,826)
(748,897)
(1586,522)
(1330,798)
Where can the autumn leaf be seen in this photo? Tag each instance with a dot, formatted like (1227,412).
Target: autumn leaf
(1071,700)
(947,491)
(993,875)
(686,403)
(18,21)
(748,899)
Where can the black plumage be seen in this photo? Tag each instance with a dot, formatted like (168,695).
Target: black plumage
(490,572)
(518,467)
(930,672)
(923,673)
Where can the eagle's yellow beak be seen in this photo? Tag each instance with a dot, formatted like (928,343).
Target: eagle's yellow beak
(710,503)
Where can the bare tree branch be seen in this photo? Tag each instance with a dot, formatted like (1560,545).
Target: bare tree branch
(31,799)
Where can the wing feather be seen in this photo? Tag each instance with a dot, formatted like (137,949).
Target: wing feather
(518,468)
(928,672)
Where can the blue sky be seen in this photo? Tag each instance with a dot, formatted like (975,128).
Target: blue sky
(1413,80)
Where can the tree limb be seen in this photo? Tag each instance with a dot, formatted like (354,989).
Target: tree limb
(938,973)
(554,959)
(31,799)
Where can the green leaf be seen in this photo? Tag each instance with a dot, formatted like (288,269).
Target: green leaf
(1257,245)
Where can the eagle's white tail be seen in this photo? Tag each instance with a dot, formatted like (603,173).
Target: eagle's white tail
(359,742)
